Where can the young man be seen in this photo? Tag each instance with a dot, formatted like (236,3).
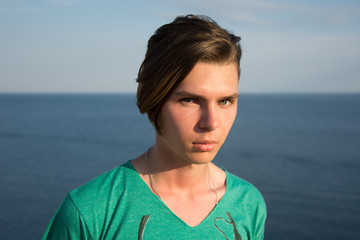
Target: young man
(188,87)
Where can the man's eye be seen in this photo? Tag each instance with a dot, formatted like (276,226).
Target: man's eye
(187,100)
(225,102)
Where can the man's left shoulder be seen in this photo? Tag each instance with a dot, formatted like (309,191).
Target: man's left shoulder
(245,189)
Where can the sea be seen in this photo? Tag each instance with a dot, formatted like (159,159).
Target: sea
(302,151)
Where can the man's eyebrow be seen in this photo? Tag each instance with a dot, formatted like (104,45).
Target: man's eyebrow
(192,95)
(186,94)
(233,96)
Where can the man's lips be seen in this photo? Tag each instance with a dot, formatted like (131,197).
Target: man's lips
(205,146)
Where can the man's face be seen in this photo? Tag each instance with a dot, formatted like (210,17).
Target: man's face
(198,115)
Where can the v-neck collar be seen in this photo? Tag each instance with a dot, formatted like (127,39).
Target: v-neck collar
(148,191)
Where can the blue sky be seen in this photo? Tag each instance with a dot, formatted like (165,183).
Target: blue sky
(86,46)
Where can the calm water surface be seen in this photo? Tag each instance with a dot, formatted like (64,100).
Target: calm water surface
(301,151)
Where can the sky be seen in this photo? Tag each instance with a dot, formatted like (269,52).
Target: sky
(86,46)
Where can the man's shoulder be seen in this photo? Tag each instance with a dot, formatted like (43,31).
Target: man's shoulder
(243,188)
(106,185)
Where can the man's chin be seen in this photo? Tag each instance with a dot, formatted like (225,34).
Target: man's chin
(201,157)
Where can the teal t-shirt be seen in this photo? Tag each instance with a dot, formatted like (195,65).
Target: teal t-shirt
(119,205)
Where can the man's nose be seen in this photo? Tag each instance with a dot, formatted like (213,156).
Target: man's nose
(209,118)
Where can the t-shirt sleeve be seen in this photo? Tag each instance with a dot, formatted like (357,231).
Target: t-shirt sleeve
(260,220)
(67,223)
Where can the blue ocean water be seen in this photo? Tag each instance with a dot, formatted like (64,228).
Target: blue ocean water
(301,151)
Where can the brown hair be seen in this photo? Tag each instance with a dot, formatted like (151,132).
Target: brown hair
(173,51)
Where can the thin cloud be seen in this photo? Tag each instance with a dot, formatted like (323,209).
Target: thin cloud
(265,13)
(62,2)
(8,6)
(24,6)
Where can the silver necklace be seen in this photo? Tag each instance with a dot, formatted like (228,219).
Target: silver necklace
(153,184)
(152,181)
(211,186)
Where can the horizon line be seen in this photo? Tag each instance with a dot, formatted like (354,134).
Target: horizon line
(134,93)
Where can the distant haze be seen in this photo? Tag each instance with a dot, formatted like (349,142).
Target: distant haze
(97,46)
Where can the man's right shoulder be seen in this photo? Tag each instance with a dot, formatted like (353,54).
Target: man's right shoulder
(103,186)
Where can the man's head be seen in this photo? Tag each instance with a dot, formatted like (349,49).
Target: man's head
(172,53)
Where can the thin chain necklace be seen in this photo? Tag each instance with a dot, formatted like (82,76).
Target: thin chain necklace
(153,184)
(211,186)
(152,181)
